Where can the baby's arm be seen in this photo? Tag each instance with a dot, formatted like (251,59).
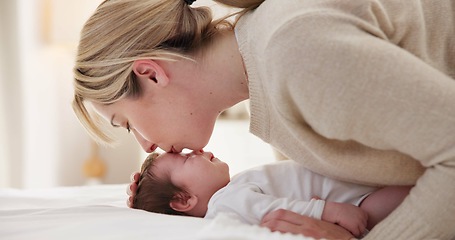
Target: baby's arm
(351,217)
(382,202)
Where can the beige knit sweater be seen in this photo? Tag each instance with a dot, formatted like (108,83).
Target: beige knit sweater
(362,91)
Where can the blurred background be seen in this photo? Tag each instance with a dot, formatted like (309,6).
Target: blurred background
(42,143)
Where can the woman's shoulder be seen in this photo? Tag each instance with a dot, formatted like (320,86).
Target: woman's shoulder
(312,15)
(299,26)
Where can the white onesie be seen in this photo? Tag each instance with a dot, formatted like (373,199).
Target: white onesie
(282,185)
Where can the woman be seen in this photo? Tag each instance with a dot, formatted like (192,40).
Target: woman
(363,90)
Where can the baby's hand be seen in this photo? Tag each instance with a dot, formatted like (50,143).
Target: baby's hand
(351,217)
(132,188)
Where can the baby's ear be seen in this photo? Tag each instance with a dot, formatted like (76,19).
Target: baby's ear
(183,202)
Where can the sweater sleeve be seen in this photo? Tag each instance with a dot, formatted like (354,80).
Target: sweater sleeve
(352,85)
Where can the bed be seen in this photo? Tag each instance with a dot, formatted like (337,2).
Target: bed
(100,212)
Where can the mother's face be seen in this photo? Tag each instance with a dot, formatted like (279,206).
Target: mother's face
(171,123)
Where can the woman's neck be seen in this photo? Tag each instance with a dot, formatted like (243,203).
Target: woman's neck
(225,68)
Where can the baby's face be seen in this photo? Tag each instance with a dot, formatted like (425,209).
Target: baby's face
(201,175)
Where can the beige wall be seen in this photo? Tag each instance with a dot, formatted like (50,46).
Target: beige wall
(10,104)
(43,144)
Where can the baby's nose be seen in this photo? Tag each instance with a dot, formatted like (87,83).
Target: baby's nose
(197,152)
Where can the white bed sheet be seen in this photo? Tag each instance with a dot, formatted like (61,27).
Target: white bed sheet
(100,212)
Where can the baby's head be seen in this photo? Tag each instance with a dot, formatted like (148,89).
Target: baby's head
(153,193)
(180,184)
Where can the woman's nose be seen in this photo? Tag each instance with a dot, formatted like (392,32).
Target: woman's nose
(148,148)
(146,145)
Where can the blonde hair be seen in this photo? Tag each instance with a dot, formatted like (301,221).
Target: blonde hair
(246,4)
(123,31)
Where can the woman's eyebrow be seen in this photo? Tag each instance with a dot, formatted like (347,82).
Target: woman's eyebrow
(112,121)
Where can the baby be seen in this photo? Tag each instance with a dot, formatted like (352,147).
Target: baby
(200,185)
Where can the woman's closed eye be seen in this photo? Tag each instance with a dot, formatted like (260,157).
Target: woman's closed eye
(127,126)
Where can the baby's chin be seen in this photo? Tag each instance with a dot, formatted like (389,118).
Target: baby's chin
(227,171)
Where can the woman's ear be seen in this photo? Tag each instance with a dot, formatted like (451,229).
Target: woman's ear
(183,202)
(150,70)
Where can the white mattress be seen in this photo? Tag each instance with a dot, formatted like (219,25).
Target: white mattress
(100,212)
